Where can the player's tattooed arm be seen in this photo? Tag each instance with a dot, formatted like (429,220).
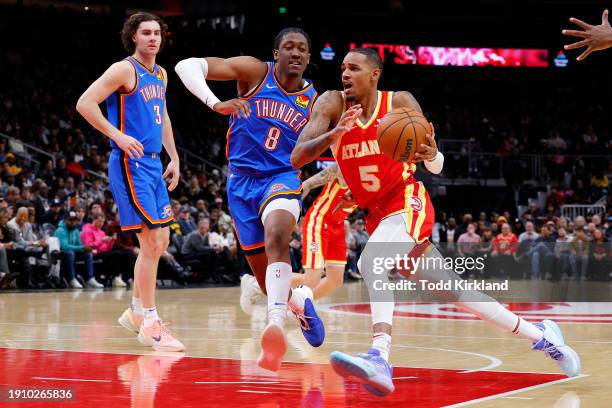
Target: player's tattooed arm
(404,99)
(316,136)
(321,178)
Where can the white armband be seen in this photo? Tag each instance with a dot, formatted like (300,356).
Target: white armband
(192,72)
(435,165)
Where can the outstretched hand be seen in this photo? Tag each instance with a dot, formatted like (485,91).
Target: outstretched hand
(596,38)
(348,119)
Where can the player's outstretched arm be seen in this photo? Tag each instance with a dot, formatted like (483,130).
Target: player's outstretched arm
(316,135)
(247,71)
(173,170)
(596,38)
(429,153)
(120,75)
(320,179)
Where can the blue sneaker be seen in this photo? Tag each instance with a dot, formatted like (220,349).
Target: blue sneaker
(373,371)
(310,323)
(553,345)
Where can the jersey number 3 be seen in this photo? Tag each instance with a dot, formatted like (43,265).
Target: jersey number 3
(158,120)
(271,142)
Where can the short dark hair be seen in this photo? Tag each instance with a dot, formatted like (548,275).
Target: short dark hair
(371,54)
(279,37)
(130,26)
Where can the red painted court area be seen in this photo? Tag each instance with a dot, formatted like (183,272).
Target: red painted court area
(172,380)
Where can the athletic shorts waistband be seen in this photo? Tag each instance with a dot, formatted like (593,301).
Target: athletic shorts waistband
(151,155)
(258,173)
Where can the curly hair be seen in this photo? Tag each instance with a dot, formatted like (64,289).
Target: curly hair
(131,26)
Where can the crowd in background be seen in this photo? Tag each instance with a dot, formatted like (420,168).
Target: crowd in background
(58,216)
(536,245)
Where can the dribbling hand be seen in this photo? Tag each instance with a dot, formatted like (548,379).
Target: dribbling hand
(236,106)
(131,146)
(429,150)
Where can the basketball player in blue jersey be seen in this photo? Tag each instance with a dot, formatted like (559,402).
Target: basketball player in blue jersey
(138,125)
(264,191)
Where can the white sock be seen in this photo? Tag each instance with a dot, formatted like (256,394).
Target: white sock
(382,343)
(528,330)
(382,312)
(150,316)
(298,296)
(278,284)
(137,306)
(503,318)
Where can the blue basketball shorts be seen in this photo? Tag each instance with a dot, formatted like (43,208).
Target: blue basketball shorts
(140,191)
(248,195)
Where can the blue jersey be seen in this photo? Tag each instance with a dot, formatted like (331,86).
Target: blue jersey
(263,142)
(139,112)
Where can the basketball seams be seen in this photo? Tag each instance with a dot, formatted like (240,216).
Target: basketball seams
(400,136)
(426,131)
(379,137)
(414,133)
(398,129)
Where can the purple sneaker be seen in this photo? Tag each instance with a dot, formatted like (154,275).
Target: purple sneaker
(373,371)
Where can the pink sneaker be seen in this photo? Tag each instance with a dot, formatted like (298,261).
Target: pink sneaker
(273,347)
(131,320)
(158,336)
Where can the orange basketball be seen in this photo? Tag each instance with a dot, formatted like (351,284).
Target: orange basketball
(401,133)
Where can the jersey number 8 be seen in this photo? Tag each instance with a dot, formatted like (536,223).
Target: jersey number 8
(271,142)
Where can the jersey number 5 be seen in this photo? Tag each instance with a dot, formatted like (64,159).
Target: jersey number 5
(271,142)
(369,181)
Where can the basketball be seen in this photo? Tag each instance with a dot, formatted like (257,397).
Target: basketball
(401,132)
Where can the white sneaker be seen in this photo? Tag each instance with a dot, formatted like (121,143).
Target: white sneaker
(273,347)
(553,345)
(250,292)
(75,284)
(93,283)
(118,282)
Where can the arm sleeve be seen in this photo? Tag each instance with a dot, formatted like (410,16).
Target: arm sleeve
(192,72)
(435,166)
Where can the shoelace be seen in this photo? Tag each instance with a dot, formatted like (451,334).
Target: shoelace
(163,328)
(552,351)
(256,293)
(376,362)
(301,318)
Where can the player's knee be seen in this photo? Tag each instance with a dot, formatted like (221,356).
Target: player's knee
(277,239)
(157,242)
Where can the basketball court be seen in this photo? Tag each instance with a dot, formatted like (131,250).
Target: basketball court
(441,356)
